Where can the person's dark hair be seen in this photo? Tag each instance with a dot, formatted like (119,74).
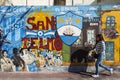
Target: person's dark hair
(100,37)
(4,51)
(15,51)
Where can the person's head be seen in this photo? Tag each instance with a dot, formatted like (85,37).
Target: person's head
(15,51)
(4,52)
(99,37)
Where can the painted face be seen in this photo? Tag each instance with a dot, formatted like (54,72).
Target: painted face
(5,54)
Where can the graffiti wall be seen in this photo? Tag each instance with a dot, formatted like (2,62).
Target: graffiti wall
(41,38)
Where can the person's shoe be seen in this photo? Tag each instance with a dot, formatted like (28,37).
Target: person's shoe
(95,76)
(111,71)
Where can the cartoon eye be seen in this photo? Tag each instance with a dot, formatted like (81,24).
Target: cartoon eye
(40,33)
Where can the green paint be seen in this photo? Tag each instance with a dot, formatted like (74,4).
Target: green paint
(66,53)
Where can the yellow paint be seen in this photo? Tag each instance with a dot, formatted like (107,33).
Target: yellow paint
(50,46)
(39,16)
(60,20)
(77,21)
(116,14)
(44,41)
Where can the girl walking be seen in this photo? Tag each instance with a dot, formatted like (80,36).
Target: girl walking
(100,50)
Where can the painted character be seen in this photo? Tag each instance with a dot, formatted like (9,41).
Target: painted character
(17,60)
(7,65)
(2,40)
(28,57)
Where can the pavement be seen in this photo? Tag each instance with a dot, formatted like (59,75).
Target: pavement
(104,75)
(61,73)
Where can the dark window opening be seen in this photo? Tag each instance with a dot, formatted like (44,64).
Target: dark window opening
(59,2)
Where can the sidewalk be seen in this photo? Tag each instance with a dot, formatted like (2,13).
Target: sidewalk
(61,73)
(57,76)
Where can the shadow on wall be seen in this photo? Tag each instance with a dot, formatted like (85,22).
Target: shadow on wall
(79,56)
(79,60)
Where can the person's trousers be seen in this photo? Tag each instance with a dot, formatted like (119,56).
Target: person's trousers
(99,64)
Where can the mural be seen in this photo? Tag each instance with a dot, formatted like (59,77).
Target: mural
(43,38)
(69,27)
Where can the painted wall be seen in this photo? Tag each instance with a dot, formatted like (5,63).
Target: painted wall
(40,38)
(111,33)
(51,2)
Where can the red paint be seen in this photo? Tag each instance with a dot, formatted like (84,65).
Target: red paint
(33,25)
(56,43)
(50,24)
(24,40)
